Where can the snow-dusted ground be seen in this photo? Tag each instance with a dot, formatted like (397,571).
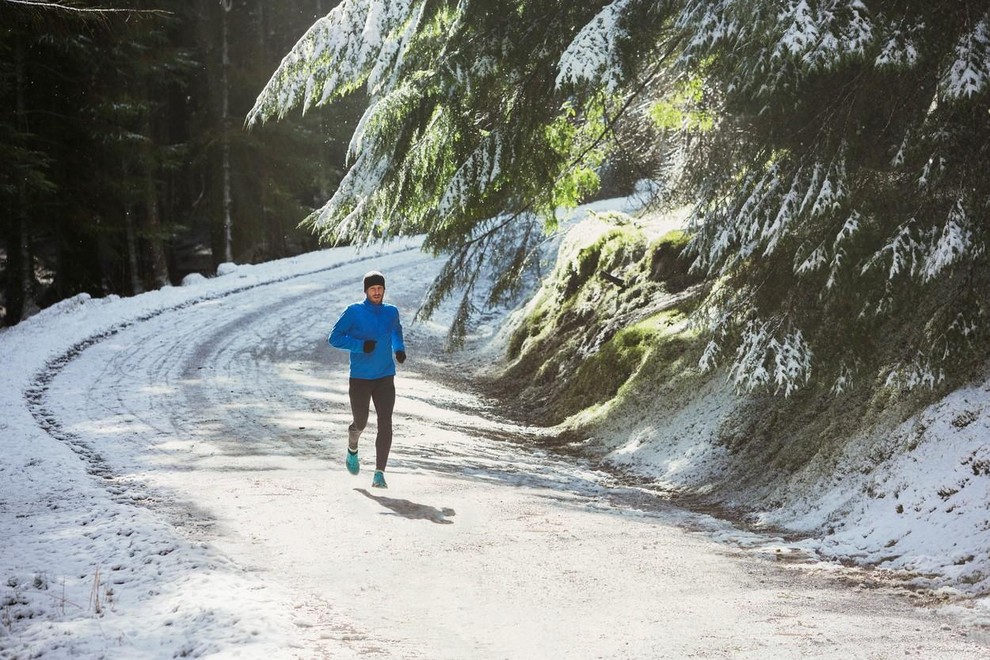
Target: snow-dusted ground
(172,484)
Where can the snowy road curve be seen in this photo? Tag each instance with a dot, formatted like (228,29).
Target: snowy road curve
(226,420)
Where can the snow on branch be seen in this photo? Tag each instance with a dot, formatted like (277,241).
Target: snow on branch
(849,229)
(341,218)
(755,208)
(803,34)
(821,36)
(902,252)
(811,263)
(953,241)
(708,23)
(832,192)
(787,211)
(899,49)
(357,41)
(771,206)
(388,65)
(844,381)
(383,112)
(476,174)
(764,359)
(592,57)
(932,365)
(926,253)
(970,70)
(920,372)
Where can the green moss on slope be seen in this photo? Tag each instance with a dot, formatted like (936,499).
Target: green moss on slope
(612,307)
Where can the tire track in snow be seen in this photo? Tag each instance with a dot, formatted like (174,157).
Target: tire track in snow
(231,335)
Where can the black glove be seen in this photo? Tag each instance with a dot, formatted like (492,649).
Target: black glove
(369,345)
(400,356)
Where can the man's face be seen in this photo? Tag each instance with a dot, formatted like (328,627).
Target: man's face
(376,293)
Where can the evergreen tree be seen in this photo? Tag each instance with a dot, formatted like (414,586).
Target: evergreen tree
(112,175)
(833,151)
(23,177)
(841,198)
(263,183)
(133,70)
(30,81)
(84,160)
(467,136)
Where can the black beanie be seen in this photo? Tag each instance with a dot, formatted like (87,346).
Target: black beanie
(373,278)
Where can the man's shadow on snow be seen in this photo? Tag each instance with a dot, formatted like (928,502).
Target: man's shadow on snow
(411,510)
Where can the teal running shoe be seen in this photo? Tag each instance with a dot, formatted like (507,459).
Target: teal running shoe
(379,480)
(353,465)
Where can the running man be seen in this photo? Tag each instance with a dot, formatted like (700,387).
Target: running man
(371,331)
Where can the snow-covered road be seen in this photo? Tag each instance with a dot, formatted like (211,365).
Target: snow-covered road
(224,421)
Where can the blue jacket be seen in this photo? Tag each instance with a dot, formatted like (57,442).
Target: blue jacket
(366,320)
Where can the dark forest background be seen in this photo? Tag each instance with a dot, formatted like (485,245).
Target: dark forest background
(124,161)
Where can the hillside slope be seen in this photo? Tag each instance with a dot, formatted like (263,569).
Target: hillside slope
(605,354)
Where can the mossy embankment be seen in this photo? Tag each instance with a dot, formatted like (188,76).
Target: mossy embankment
(611,316)
(606,357)
(606,354)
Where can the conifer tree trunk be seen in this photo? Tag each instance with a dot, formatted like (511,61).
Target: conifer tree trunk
(155,250)
(132,252)
(20,261)
(21,303)
(157,264)
(228,252)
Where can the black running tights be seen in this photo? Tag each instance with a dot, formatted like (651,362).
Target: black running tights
(382,392)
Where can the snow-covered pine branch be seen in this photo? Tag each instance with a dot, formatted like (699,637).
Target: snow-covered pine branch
(341,219)
(902,252)
(707,24)
(855,161)
(839,251)
(769,357)
(357,42)
(820,37)
(970,70)
(898,48)
(950,246)
(591,59)
(843,152)
(474,176)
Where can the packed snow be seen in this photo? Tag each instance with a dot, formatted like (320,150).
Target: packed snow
(172,485)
